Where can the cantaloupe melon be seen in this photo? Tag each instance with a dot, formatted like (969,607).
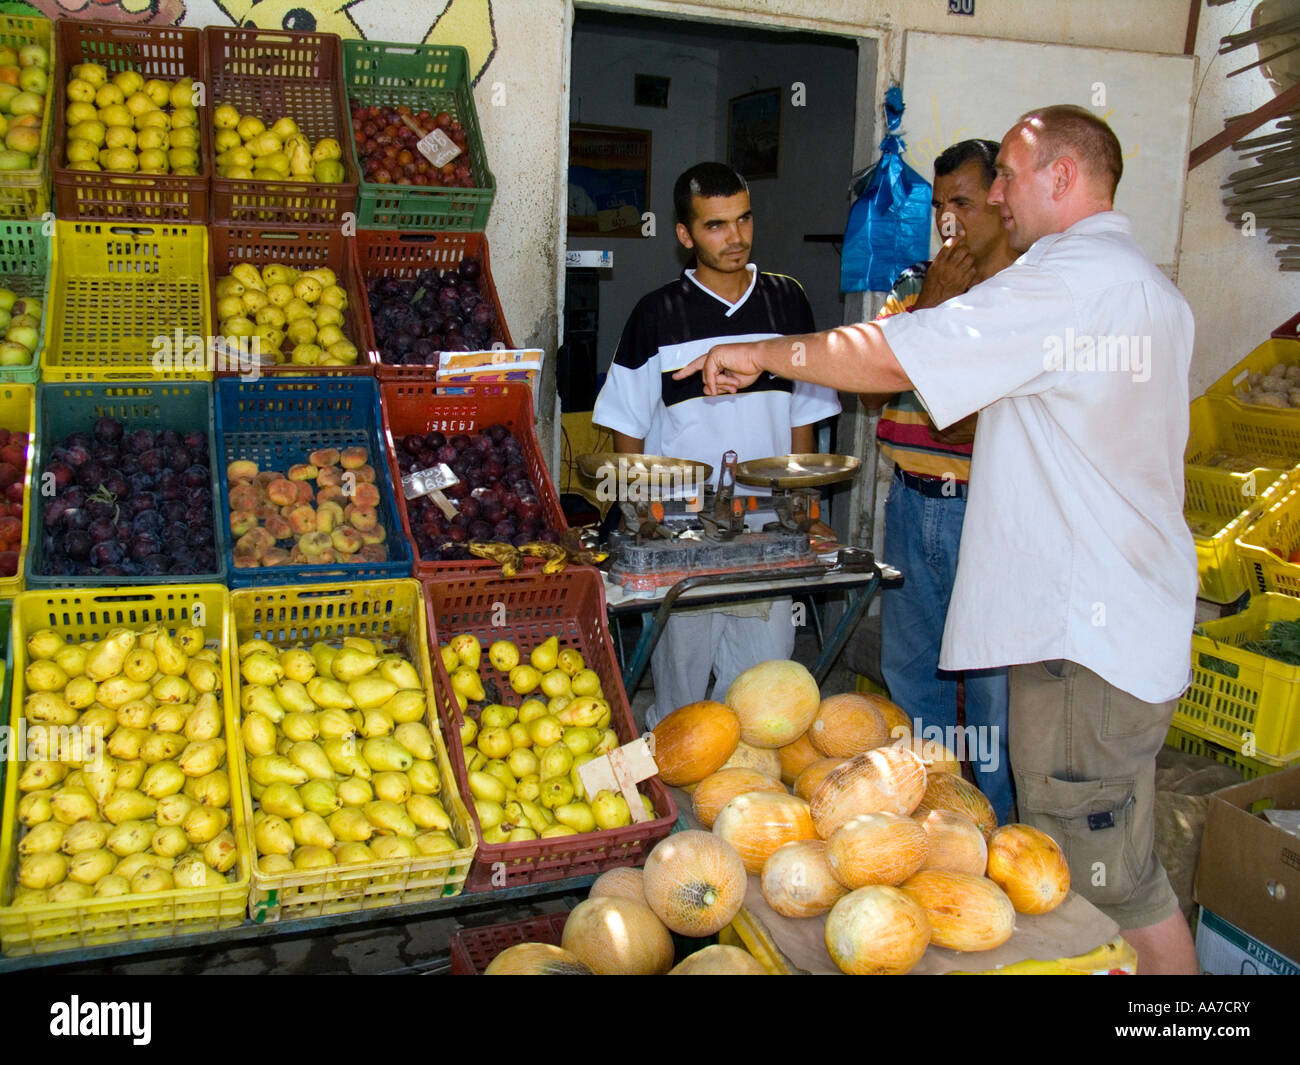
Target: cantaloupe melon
(966,912)
(947,791)
(624,882)
(536,959)
(807,783)
(798,881)
(897,720)
(760,821)
(796,757)
(765,760)
(956,843)
(694,882)
(714,792)
(694,741)
(886,780)
(719,960)
(776,701)
(877,931)
(876,849)
(618,937)
(1030,867)
(847,725)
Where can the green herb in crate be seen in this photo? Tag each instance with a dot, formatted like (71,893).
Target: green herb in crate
(1281,642)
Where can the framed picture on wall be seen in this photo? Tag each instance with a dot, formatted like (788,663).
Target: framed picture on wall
(609,180)
(754,133)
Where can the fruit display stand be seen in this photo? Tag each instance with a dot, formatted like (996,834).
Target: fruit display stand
(1237,692)
(1269,354)
(68,408)
(47,927)
(570,606)
(26,266)
(303,248)
(273,75)
(25,194)
(163,52)
(120,290)
(18,414)
(423,77)
(472,949)
(421,407)
(278,422)
(392,614)
(381,253)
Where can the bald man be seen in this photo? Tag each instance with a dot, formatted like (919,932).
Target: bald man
(1076,567)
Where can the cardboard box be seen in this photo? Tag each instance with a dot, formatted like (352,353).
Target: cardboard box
(1222,950)
(1249,871)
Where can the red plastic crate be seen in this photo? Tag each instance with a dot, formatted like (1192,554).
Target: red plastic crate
(304,248)
(390,253)
(472,949)
(1290,329)
(414,406)
(570,606)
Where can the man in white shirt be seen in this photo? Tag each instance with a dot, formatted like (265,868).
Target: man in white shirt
(1076,567)
(724,297)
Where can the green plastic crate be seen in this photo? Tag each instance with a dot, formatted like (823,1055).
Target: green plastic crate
(68,408)
(26,264)
(430,78)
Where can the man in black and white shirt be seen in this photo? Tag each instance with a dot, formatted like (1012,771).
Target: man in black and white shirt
(723,299)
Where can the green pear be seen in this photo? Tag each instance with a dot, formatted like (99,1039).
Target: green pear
(320,797)
(382,753)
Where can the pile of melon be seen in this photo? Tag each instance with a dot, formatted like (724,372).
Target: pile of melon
(881,835)
(693,884)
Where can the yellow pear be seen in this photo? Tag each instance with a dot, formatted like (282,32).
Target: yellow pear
(407,705)
(118,691)
(43,870)
(276,769)
(293,696)
(349,664)
(320,797)
(205,721)
(171,809)
(168,689)
(43,839)
(577,815)
(299,727)
(580,740)
(400,673)
(355,792)
(416,738)
(349,825)
(34,808)
(162,780)
(503,655)
(545,731)
(524,678)
(168,841)
(203,823)
(345,757)
(486,787)
(190,639)
(258,698)
(109,655)
(545,655)
(259,735)
(171,659)
(323,656)
(39,776)
(389,817)
(391,786)
(334,723)
(556,792)
(281,800)
(190,872)
(44,643)
(610,810)
(383,753)
(203,675)
(101,780)
(311,757)
(112,885)
(130,837)
(450,659)
(310,830)
(435,842)
(374,721)
(466,681)
(202,757)
(252,647)
(130,772)
(49,708)
(275,864)
(298,664)
(211,789)
(353,853)
(370,692)
(329,693)
(498,716)
(85,836)
(427,812)
(161,746)
(273,835)
(468,650)
(390,847)
(570,660)
(72,804)
(529,788)
(221,853)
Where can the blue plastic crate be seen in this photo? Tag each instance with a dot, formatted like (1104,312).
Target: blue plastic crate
(67,407)
(277,422)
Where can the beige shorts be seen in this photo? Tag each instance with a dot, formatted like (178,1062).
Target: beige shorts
(1084,758)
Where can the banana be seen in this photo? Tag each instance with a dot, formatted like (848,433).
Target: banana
(508,556)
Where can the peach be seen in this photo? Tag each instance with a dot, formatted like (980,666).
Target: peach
(329,477)
(303,472)
(248,545)
(365,474)
(266,477)
(377,535)
(303,519)
(262,537)
(346,540)
(305,491)
(282,491)
(328,495)
(373,553)
(243,496)
(362,518)
(296,557)
(329,516)
(241,521)
(275,556)
(241,470)
(268,510)
(325,456)
(365,495)
(313,543)
(279,527)
(353,458)
(245,561)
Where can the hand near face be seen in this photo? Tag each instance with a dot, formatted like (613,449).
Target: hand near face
(951,274)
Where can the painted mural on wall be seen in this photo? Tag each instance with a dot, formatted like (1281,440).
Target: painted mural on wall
(464,22)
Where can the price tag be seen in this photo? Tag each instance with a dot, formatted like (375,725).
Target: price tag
(620,770)
(438,148)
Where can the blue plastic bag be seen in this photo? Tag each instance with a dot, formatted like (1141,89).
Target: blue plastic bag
(889,222)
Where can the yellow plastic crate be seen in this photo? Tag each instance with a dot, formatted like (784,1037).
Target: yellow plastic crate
(25,194)
(392,614)
(1249,768)
(1220,424)
(1261,360)
(18,414)
(748,932)
(90,615)
(119,290)
(1276,528)
(1227,502)
(1240,700)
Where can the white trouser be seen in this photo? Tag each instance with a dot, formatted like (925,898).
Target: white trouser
(693,645)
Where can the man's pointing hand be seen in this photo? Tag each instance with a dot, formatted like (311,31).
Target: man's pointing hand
(727,368)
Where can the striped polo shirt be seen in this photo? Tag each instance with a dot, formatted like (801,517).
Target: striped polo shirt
(904,430)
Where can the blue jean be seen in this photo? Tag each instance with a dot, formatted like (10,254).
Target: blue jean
(922,535)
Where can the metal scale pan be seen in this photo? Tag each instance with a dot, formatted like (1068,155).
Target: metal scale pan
(797,471)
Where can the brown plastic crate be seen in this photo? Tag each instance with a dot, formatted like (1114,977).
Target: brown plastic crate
(166,52)
(472,949)
(570,606)
(393,253)
(278,74)
(1288,330)
(305,248)
(413,406)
